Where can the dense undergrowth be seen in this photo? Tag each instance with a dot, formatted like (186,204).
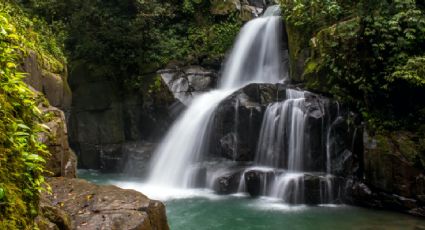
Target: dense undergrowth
(22,155)
(369,54)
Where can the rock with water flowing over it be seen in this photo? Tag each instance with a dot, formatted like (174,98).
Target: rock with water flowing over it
(78,204)
(237,120)
(257,181)
(227,182)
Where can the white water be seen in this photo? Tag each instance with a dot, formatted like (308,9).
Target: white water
(256,57)
(184,142)
(289,187)
(283,119)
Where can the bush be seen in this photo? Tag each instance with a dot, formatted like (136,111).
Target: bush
(368,54)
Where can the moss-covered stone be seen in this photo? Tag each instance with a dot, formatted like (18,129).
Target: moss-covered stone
(392,164)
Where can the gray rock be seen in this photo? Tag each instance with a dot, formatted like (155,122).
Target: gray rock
(90,206)
(62,160)
(54,86)
(186,82)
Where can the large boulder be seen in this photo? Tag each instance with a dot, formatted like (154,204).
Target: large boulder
(238,118)
(187,82)
(393,174)
(78,204)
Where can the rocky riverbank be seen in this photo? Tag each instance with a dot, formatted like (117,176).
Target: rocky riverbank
(78,204)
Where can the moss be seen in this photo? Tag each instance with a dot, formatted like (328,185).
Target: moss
(22,155)
(402,144)
(297,42)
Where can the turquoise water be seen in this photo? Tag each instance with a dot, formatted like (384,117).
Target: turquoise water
(205,211)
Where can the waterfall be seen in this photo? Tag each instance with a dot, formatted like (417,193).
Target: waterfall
(255,57)
(290,163)
(282,119)
(289,187)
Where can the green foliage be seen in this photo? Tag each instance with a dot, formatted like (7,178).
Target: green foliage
(128,40)
(212,41)
(21,152)
(369,54)
(39,38)
(311,14)
(413,72)
(190,5)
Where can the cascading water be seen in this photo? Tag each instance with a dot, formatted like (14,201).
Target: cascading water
(282,119)
(256,57)
(282,165)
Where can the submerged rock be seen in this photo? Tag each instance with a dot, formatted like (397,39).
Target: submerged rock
(78,204)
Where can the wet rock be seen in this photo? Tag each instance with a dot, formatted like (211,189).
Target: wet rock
(258,181)
(238,118)
(343,163)
(359,193)
(91,206)
(227,183)
(312,189)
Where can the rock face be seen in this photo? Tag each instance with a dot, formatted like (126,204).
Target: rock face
(393,174)
(53,86)
(103,119)
(63,161)
(187,82)
(137,158)
(237,120)
(77,204)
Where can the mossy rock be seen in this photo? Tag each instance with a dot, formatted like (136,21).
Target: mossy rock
(392,163)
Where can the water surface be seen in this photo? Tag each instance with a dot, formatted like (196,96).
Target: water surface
(203,210)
